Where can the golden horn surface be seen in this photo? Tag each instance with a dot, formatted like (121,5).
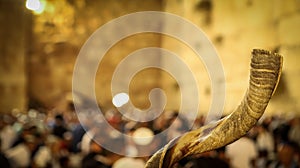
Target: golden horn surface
(264,77)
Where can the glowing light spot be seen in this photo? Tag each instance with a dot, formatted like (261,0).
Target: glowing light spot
(37,6)
(33,4)
(120,99)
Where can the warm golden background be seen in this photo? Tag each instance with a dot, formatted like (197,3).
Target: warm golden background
(38,50)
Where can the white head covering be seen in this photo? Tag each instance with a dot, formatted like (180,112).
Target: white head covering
(129,162)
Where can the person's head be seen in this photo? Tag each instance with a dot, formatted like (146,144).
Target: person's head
(286,153)
(95,147)
(59,120)
(262,128)
(30,141)
(64,161)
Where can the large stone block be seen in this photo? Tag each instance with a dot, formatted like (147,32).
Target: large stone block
(14,31)
(288,31)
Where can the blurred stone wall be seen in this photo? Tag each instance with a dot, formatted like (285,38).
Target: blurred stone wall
(40,71)
(246,24)
(235,27)
(60,32)
(14,32)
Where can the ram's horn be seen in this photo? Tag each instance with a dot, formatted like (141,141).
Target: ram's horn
(264,76)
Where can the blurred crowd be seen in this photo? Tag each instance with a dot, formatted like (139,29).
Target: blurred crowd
(59,140)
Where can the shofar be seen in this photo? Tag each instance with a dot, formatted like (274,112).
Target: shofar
(264,76)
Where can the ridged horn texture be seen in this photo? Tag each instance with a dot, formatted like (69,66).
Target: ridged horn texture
(264,77)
